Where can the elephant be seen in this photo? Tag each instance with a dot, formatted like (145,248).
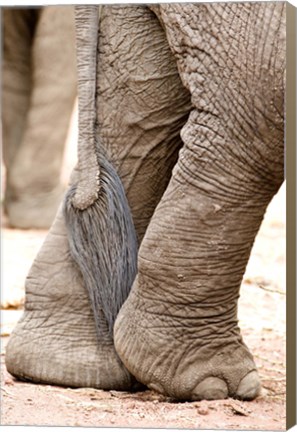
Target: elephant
(38,95)
(180,150)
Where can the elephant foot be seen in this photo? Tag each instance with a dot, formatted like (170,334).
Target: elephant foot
(55,341)
(178,332)
(33,211)
(172,356)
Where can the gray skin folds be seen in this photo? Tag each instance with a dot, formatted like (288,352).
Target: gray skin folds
(56,342)
(189,108)
(180,319)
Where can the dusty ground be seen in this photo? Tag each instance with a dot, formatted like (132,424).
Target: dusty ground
(262,319)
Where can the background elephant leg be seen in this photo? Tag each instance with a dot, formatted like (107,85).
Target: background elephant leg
(142,105)
(178,331)
(34,177)
(18,33)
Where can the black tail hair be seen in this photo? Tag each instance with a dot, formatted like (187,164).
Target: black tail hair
(103,243)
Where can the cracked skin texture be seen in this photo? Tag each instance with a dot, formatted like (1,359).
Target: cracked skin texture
(55,340)
(197,203)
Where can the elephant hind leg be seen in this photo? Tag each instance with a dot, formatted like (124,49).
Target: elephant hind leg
(178,330)
(55,341)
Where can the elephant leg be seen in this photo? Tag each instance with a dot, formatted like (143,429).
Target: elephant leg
(18,33)
(34,176)
(142,105)
(178,330)
(55,342)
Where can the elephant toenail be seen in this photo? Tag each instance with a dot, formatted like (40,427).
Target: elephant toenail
(210,388)
(249,387)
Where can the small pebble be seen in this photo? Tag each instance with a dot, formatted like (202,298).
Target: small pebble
(203,411)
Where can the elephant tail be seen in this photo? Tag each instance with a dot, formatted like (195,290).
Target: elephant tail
(99,224)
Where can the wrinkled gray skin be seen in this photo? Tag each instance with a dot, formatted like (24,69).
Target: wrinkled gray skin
(38,94)
(190,112)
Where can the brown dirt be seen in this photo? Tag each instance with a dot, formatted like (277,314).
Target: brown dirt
(262,319)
